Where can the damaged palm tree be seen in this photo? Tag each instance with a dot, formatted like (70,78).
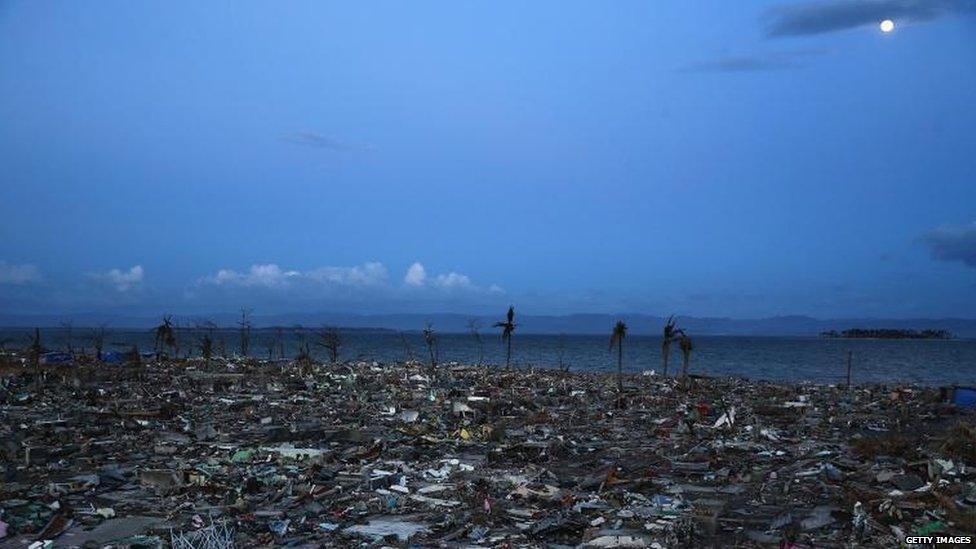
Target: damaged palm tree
(330,340)
(178,340)
(221,345)
(133,357)
(671,334)
(508,327)
(96,338)
(206,348)
(617,338)
(280,339)
(164,335)
(245,331)
(430,339)
(303,357)
(561,352)
(407,351)
(34,351)
(271,345)
(206,341)
(686,347)
(67,329)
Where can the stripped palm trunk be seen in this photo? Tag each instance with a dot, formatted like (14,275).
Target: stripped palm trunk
(686,348)
(508,353)
(508,327)
(617,337)
(665,355)
(620,365)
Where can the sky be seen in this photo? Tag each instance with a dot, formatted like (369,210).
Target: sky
(710,158)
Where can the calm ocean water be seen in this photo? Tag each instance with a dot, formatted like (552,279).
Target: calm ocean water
(772,358)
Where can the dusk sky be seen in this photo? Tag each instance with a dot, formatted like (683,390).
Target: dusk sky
(741,159)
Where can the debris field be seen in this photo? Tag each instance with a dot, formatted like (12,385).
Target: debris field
(249,453)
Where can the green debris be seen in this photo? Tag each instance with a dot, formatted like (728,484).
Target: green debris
(928,529)
(242,456)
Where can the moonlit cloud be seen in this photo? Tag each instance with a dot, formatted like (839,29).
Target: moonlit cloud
(825,16)
(18,274)
(123,281)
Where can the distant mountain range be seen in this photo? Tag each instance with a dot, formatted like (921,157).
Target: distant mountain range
(539,324)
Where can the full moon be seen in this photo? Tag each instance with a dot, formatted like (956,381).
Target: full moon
(887,25)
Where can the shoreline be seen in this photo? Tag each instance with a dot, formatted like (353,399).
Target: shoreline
(18,362)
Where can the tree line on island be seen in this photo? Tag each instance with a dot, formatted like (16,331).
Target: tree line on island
(886,333)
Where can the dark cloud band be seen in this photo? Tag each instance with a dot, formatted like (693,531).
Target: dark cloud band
(953,243)
(835,15)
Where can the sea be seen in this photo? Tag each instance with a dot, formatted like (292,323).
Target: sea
(791,359)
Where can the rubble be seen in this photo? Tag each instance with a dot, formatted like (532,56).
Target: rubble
(396,455)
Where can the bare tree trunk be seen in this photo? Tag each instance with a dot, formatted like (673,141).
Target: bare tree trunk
(407,351)
(850,358)
(620,365)
(665,357)
(508,354)
(245,331)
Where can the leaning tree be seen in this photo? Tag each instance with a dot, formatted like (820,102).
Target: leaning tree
(330,339)
(670,335)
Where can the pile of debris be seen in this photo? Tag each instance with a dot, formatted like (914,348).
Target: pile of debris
(250,453)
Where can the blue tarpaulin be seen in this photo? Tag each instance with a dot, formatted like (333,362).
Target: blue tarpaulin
(113,357)
(56,358)
(964,396)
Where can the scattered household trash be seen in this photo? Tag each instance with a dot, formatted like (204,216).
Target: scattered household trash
(233,452)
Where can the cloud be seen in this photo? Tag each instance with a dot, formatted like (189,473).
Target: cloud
(373,275)
(365,288)
(271,275)
(320,141)
(744,63)
(123,281)
(953,243)
(825,16)
(453,280)
(772,61)
(368,274)
(416,277)
(18,274)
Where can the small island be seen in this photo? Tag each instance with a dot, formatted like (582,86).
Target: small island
(887,333)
